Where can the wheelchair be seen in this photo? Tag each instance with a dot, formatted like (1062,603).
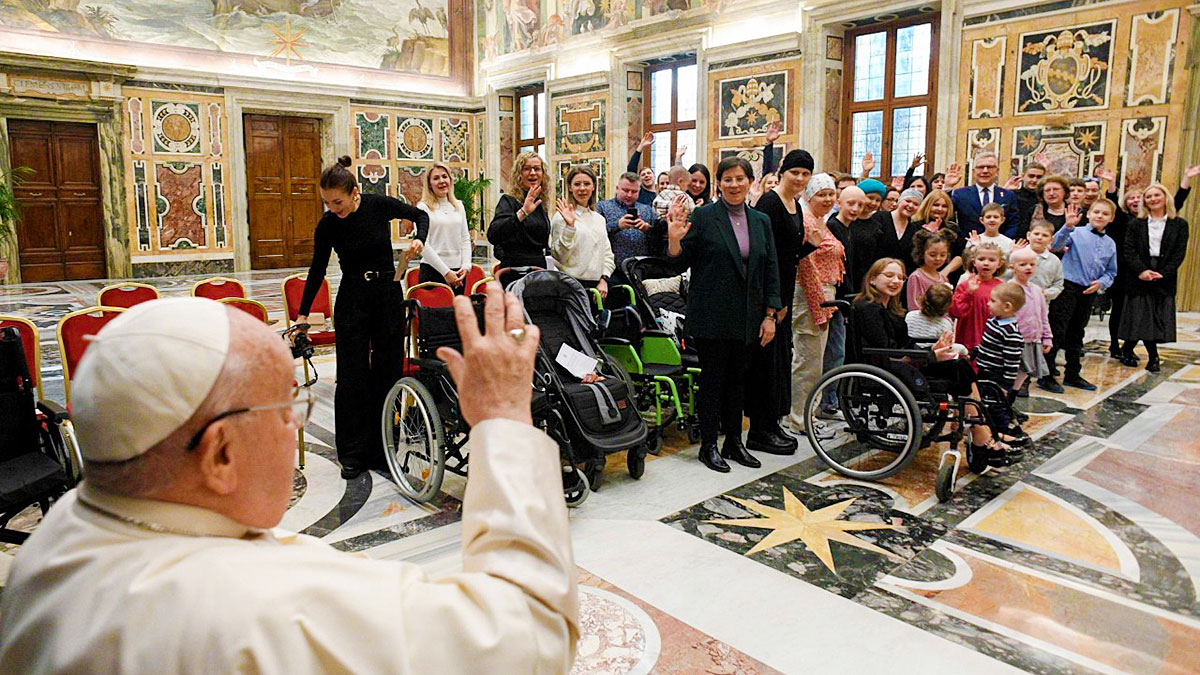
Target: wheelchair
(892,410)
(40,460)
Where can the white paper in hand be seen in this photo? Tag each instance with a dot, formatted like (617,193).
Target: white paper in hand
(576,362)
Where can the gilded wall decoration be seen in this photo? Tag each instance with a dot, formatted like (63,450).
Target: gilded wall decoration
(754,155)
(175,127)
(597,165)
(581,127)
(1070,150)
(182,220)
(1065,69)
(374,179)
(137,134)
(414,138)
(456,139)
(373,133)
(141,201)
(987,77)
(981,140)
(216,118)
(1140,160)
(1151,57)
(749,104)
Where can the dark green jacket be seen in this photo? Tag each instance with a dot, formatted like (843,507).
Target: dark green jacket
(726,298)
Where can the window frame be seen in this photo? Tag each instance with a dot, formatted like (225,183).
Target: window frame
(529,144)
(674,126)
(890,102)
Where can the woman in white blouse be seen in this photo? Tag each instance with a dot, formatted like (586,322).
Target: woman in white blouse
(578,234)
(447,255)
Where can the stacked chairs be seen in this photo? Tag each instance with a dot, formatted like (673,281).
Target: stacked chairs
(126,294)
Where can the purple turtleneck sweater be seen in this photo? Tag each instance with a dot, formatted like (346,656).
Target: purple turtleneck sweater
(737,218)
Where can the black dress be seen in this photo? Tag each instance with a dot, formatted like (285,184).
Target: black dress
(891,246)
(865,236)
(1149,312)
(519,243)
(370,331)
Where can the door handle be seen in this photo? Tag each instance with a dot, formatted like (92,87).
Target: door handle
(35,194)
(80,194)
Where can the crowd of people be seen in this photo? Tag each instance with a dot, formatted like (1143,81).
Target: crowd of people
(997,279)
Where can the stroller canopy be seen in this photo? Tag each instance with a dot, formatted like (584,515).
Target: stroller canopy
(550,290)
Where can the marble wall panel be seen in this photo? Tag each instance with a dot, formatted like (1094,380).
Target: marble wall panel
(764,90)
(220,231)
(581,125)
(141,205)
(987,77)
(833,120)
(455,136)
(598,164)
(507,149)
(182,218)
(754,156)
(749,104)
(1143,142)
(1069,150)
(409,183)
(1065,69)
(414,138)
(137,134)
(175,127)
(216,119)
(981,140)
(1151,57)
(372,135)
(374,179)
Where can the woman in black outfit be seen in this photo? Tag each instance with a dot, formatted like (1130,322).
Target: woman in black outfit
(769,393)
(1155,246)
(879,323)
(897,229)
(370,339)
(520,230)
(733,302)
(701,186)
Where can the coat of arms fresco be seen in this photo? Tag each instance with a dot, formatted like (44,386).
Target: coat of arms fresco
(1065,69)
(749,104)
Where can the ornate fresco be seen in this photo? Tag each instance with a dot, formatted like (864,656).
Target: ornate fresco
(1065,69)
(749,104)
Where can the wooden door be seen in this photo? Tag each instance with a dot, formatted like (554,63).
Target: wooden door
(283,170)
(61,231)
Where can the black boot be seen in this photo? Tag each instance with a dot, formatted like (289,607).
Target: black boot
(711,458)
(783,438)
(764,441)
(735,451)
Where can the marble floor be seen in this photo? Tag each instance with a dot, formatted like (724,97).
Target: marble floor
(1083,558)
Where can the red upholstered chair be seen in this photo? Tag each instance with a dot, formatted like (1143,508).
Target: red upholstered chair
(72,330)
(474,276)
(293,292)
(411,276)
(252,307)
(29,342)
(431,294)
(216,288)
(126,295)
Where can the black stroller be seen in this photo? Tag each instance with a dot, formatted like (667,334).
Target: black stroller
(594,420)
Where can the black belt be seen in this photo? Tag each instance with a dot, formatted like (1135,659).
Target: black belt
(371,275)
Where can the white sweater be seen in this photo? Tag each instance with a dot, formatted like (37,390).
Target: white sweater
(449,244)
(582,251)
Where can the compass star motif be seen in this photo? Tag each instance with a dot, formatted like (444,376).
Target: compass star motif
(814,528)
(289,42)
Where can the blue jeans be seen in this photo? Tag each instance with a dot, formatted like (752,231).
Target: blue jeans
(835,355)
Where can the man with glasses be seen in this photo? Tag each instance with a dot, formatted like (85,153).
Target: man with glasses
(970,200)
(167,556)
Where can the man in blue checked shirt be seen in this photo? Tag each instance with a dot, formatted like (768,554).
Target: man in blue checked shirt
(1089,262)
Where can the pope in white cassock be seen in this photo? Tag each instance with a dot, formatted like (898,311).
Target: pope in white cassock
(166,558)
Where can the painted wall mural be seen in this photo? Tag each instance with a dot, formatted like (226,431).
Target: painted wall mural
(1065,69)
(411,36)
(749,104)
(1092,86)
(176,173)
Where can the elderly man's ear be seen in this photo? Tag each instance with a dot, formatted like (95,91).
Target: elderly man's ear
(216,456)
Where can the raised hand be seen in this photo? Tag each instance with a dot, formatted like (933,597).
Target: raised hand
(1107,174)
(1073,215)
(1188,174)
(898,182)
(868,163)
(532,199)
(953,175)
(972,282)
(1020,243)
(1013,183)
(973,239)
(678,208)
(933,224)
(567,212)
(679,154)
(494,369)
(774,130)
(917,160)
(647,141)
(943,349)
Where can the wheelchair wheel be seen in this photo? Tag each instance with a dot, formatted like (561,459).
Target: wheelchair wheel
(882,418)
(575,486)
(944,486)
(414,440)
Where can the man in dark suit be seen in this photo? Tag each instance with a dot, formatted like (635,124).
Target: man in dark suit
(970,200)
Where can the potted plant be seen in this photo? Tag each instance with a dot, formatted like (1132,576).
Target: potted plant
(10,212)
(470,192)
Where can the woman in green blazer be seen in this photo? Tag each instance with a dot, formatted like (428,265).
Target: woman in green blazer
(733,298)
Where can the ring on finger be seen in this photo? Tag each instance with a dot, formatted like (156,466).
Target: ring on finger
(517,334)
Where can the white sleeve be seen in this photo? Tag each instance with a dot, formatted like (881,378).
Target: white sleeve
(429,254)
(466,246)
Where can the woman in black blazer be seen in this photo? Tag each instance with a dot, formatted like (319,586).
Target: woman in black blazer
(1155,245)
(733,302)
(520,230)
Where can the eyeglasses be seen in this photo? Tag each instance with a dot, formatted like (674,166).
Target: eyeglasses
(301,404)
(532,168)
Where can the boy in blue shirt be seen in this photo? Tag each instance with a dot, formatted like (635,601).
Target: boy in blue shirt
(1089,265)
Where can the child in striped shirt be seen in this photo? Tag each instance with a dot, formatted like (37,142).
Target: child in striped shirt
(998,356)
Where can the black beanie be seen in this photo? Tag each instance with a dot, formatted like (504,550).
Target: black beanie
(797,159)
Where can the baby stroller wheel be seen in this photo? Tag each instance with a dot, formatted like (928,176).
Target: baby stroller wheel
(656,445)
(594,470)
(944,487)
(575,486)
(693,433)
(414,440)
(636,462)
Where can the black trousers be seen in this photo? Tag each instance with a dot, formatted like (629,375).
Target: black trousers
(429,273)
(769,379)
(1117,296)
(1069,314)
(722,384)
(370,352)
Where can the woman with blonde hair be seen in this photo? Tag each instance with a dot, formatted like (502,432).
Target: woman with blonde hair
(1155,246)
(579,234)
(936,213)
(446,257)
(520,228)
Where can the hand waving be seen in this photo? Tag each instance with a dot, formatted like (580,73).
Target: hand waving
(774,130)
(532,199)
(567,212)
(1073,215)
(647,141)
